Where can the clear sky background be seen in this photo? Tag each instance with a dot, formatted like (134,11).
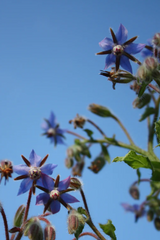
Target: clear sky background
(48,62)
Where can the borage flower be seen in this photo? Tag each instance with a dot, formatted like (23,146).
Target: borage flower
(56,193)
(138,210)
(33,172)
(119,50)
(52,130)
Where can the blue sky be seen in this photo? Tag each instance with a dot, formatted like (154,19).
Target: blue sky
(48,62)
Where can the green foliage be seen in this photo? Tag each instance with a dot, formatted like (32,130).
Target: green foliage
(157,128)
(109,229)
(155,186)
(148,111)
(138,174)
(105,153)
(134,160)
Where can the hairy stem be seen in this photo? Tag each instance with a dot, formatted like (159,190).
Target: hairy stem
(75,134)
(5,222)
(98,128)
(87,233)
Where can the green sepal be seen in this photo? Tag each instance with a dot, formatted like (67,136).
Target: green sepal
(139,175)
(79,230)
(82,211)
(134,160)
(89,132)
(148,111)
(105,153)
(155,186)
(143,87)
(109,229)
(156,171)
(100,110)
(157,128)
(18,218)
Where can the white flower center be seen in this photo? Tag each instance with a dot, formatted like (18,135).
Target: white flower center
(51,132)
(54,194)
(117,50)
(34,173)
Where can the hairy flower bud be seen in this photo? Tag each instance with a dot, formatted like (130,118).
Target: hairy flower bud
(68,162)
(75,183)
(150,215)
(33,229)
(18,218)
(97,164)
(99,110)
(78,121)
(49,233)
(157,223)
(140,102)
(151,64)
(156,40)
(78,168)
(75,220)
(134,192)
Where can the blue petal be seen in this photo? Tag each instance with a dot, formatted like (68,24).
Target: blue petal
(42,198)
(110,60)
(106,44)
(47,181)
(48,168)
(124,62)
(26,184)
(121,34)
(134,48)
(63,185)
(55,206)
(127,207)
(45,126)
(69,198)
(21,169)
(146,53)
(52,120)
(34,159)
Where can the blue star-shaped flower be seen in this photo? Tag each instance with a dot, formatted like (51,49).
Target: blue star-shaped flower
(55,193)
(52,130)
(119,50)
(138,210)
(33,172)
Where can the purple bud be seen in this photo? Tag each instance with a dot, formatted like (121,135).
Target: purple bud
(75,220)
(18,218)
(134,192)
(75,183)
(49,233)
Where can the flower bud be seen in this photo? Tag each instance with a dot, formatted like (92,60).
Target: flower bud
(156,40)
(134,192)
(75,183)
(97,164)
(78,168)
(78,121)
(99,110)
(157,223)
(33,229)
(140,102)
(150,215)
(75,220)
(142,72)
(18,218)
(151,64)
(49,233)
(68,162)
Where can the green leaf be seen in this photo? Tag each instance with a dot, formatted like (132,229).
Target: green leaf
(109,229)
(82,211)
(139,175)
(157,128)
(89,132)
(143,86)
(148,111)
(156,171)
(105,153)
(79,230)
(154,187)
(134,160)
